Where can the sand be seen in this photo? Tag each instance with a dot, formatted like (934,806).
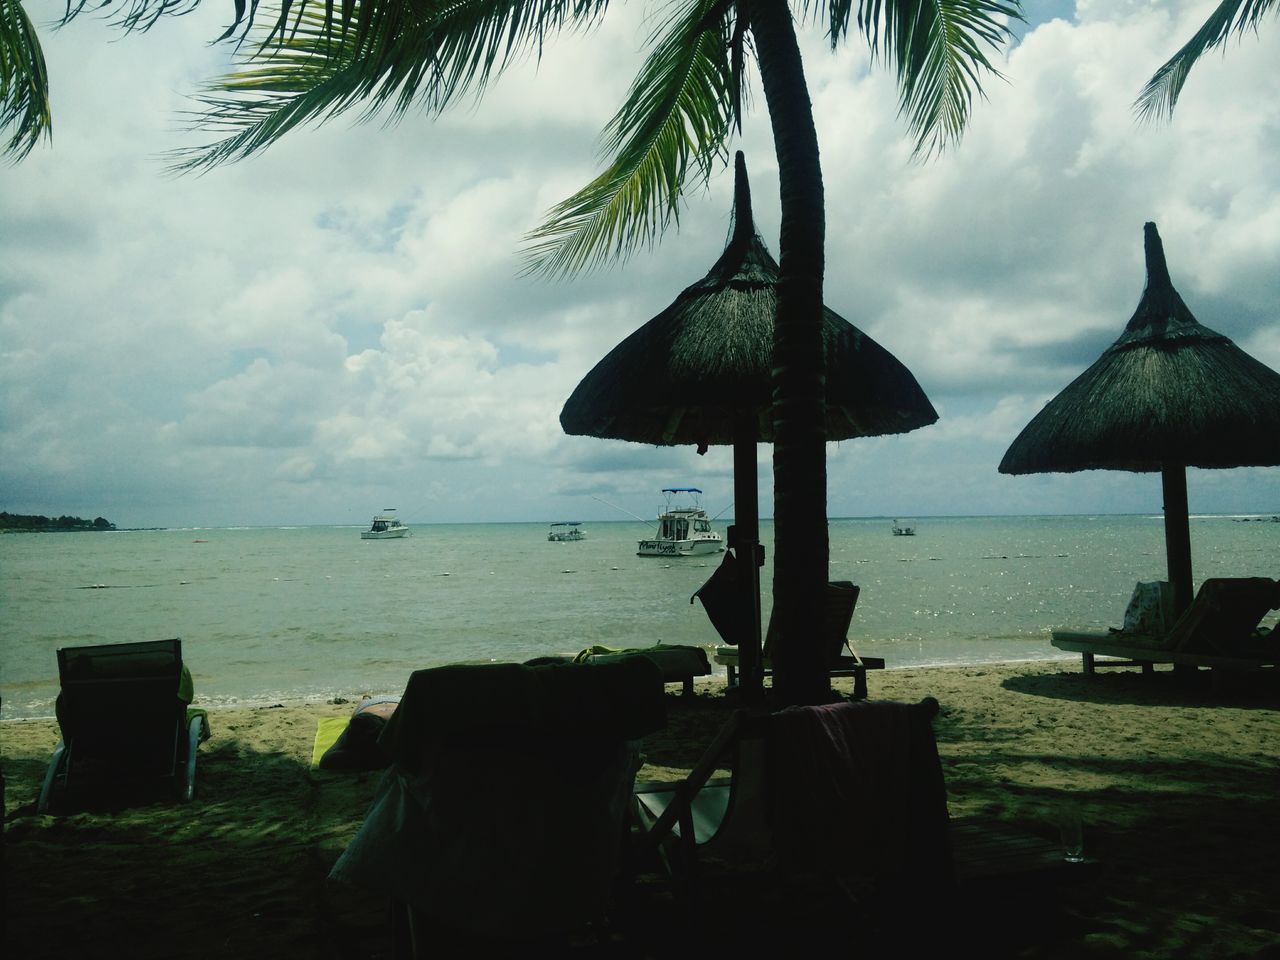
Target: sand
(1177,787)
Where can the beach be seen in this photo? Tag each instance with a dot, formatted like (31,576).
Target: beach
(1176,786)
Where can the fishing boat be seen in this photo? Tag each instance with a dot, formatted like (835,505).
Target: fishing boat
(566,530)
(903,530)
(386,526)
(684,530)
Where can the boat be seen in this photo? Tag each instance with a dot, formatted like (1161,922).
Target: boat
(684,529)
(565,531)
(902,530)
(386,526)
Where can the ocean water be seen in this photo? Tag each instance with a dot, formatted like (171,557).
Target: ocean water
(268,615)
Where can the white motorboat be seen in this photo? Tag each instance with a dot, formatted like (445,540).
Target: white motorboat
(684,529)
(565,531)
(901,529)
(386,526)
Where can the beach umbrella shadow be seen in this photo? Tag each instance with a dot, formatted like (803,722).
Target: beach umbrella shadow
(1167,395)
(700,373)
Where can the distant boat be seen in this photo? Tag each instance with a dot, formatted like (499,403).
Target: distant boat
(683,529)
(902,530)
(386,526)
(565,531)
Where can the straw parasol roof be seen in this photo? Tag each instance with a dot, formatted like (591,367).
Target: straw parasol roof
(686,375)
(1170,390)
(1168,394)
(699,372)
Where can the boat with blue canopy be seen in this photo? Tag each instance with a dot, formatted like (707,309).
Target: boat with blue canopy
(684,530)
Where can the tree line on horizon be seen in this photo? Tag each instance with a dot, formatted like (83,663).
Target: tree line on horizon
(38,523)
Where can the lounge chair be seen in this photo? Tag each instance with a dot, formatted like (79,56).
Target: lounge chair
(848,797)
(678,663)
(724,605)
(502,818)
(1219,630)
(839,788)
(123,714)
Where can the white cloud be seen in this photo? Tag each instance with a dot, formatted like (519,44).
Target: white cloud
(342,320)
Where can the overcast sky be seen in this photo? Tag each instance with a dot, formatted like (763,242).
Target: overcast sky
(340,324)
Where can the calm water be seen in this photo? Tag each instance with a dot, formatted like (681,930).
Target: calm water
(303,613)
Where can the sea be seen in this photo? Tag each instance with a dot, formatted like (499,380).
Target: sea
(274,615)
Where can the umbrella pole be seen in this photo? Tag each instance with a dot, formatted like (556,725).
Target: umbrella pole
(746,544)
(1177,534)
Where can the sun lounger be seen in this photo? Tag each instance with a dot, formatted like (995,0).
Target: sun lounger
(849,666)
(678,663)
(124,715)
(847,790)
(1218,631)
(850,795)
(503,816)
(722,604)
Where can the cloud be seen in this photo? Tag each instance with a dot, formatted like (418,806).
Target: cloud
(342,321)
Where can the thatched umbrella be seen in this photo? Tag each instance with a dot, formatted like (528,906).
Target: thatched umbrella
(1169,394)
(699,373)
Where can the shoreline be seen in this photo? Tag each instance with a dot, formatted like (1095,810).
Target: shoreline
(1176,789)
(718,676)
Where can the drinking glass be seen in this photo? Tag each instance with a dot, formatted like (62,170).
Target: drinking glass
(1072,835)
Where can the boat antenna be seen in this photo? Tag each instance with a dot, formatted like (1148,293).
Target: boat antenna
(649,523)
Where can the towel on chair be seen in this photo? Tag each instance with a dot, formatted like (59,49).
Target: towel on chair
(504,810)
(858,787)
(609,700)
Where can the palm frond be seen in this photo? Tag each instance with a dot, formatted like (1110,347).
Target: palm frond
(24,83)
(675,121)
(316,62)
(939,48)
(140,15)
(1160,95)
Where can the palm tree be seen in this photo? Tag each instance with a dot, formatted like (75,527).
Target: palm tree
(310,62)
(1160,95)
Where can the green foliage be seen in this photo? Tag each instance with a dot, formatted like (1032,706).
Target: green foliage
(304,62)
(938,47)
(677,115)
(1160,95)
(24,83)
(38,523)
(312,63)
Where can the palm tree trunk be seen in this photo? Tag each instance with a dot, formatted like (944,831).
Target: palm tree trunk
(799,397)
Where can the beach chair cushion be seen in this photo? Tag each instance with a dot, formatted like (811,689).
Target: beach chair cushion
(677,662)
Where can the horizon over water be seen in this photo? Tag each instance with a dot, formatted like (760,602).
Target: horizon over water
(272,614)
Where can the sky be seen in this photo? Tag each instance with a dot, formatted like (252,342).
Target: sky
(341,323)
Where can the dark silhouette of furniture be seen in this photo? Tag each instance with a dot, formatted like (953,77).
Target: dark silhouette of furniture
(723,604)
(123,719)
(502,819)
